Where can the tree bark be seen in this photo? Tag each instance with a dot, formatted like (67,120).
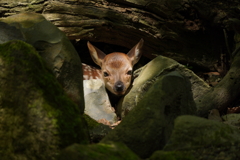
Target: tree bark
(226,92)
(187,31)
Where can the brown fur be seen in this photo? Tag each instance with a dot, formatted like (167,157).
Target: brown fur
(115,67)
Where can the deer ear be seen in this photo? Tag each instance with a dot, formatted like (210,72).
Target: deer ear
(135,53)
(96,54)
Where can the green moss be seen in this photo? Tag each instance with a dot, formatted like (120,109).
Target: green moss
(64,113)
(200,132)
(173,155)
(90,122)
(204,139)
(100,151)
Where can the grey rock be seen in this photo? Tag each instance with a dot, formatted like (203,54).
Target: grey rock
(148,126)
(151,72)
(109,151)
(55,48)
(37,119)
(204,139)
(232,119)
(97,104)
(8,33)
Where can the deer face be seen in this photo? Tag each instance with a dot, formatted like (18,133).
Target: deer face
(117,72)
(116,67)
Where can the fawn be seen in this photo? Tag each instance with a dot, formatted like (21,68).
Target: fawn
(116,68)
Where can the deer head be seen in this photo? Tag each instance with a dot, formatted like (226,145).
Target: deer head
(116,68)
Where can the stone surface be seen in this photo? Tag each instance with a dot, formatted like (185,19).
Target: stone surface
(8,33)
(148,126)
(151,72)
(55,48)
(204,139)
(37,119)
(232,119)
(97,104)
(97,131)
(100,151)
(171,155)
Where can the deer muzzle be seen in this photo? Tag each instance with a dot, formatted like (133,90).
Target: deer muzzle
(119,87)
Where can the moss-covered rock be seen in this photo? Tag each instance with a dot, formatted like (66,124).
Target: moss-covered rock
(37,119)
(54,47)
(97,130)
(148,126)
(151,72)
(204,139)
(100,151)
(232,119)
(172,155)
(8,33)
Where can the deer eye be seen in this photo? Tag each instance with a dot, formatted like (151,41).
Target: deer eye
(129,72)
(105,74)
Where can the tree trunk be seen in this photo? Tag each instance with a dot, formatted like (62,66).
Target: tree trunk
(189,32)
(226,92)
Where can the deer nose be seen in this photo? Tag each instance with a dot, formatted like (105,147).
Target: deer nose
(119,86)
